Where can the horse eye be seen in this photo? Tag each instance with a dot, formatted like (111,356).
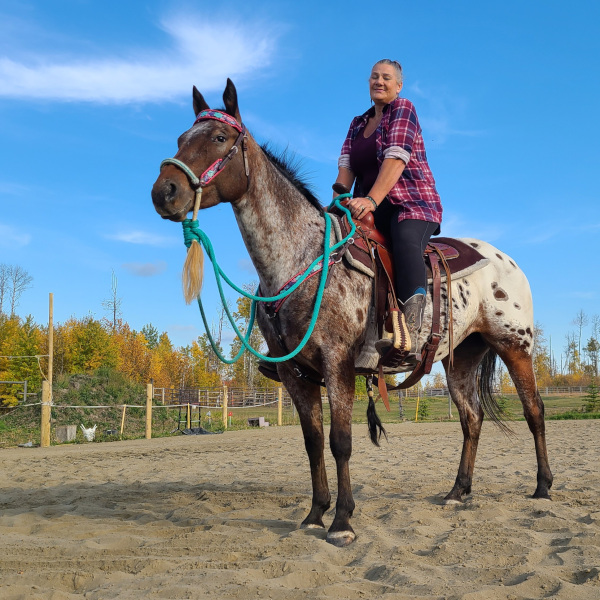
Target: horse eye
(221,139)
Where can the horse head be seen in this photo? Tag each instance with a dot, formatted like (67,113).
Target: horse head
(216,140)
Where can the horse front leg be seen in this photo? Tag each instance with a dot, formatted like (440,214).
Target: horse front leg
(307,400)
(340,388)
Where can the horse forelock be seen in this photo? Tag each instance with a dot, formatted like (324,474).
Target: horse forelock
(290,167)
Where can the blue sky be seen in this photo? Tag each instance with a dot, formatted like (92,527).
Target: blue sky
(93,96)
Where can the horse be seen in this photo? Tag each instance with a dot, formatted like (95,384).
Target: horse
(282,225)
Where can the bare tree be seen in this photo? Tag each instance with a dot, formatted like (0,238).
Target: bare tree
(4,276)
(580,320)
(18,281)
(596,326)
(113,304)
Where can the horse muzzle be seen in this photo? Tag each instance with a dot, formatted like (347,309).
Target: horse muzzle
(171,200)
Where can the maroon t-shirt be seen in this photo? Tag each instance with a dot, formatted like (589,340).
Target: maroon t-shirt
(363,161)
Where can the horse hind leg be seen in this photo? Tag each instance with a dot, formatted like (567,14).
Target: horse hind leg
(520,367)
(462,384)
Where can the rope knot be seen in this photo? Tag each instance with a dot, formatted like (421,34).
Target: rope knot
(191,232)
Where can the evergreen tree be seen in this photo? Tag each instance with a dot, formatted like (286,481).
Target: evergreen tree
(592,399)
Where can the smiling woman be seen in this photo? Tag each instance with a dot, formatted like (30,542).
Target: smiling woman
(384,154)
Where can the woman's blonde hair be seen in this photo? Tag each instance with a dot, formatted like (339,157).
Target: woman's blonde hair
(394,63)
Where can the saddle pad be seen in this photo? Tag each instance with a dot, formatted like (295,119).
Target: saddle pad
(466,262)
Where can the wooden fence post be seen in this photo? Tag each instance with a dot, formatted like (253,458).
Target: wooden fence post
(280,406)
(46,412)
(149,392)
(225,402)
(123,419)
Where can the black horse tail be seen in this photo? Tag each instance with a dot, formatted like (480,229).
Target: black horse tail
(376,429)
(486,377)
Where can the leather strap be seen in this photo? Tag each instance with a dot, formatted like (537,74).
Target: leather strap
(429,351)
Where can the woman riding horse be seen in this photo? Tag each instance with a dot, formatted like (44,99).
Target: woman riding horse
(384,152)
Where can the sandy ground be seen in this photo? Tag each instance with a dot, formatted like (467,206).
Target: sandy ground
(186,517)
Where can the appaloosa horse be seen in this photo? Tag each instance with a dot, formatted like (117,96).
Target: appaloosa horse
(282,225)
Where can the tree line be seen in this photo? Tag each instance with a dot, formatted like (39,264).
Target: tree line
(84,345)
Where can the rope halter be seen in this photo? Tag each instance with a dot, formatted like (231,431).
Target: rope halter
(198,183)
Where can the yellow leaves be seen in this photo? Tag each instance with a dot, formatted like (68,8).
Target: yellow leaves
(85,345)
(88,345)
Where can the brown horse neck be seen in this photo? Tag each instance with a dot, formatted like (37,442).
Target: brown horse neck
(282,230)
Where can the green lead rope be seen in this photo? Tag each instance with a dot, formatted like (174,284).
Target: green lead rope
(191,232)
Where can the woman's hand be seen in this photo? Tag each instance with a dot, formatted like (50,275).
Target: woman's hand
(359,207)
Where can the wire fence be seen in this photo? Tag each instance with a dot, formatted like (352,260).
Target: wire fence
(177,411)
(504,389)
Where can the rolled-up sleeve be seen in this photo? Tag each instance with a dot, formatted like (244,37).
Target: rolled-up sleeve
(402,130)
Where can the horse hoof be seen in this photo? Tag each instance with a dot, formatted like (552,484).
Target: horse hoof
(312,526)
(341,538)
(450,502)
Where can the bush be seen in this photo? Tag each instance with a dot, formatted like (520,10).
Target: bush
(423,408)
(8,400)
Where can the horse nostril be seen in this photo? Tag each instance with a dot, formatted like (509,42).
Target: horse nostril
(170,190)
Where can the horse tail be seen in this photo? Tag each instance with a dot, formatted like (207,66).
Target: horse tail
(376,429)
(486,376)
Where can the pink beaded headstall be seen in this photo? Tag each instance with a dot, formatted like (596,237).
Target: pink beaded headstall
(218,115)
(197,183)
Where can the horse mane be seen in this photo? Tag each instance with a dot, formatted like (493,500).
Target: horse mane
(291,168)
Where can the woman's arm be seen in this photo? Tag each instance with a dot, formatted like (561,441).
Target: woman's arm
(345,177)
(389,173)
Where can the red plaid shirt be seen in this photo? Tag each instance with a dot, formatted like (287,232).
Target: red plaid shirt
(399,136)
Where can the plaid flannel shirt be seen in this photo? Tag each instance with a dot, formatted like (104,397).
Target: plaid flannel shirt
(399,136)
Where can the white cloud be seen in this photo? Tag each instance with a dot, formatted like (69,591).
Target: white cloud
(10,237)
(207,51)
(145,269)
(245,264)
(142,238)
(439,112)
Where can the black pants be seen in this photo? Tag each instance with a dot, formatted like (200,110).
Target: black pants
(409,239)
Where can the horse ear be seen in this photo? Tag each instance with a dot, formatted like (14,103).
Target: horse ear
(231,101)
(199,101)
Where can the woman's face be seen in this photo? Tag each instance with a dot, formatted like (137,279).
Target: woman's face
(383,85)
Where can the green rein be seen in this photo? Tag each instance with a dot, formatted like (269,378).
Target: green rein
(191,232)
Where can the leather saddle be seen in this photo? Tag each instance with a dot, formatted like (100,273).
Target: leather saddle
(369,252)
(444,257)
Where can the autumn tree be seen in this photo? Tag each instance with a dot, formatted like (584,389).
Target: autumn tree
(200,375)
(245,370)
(134,356)
(88,346)
(541,357)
